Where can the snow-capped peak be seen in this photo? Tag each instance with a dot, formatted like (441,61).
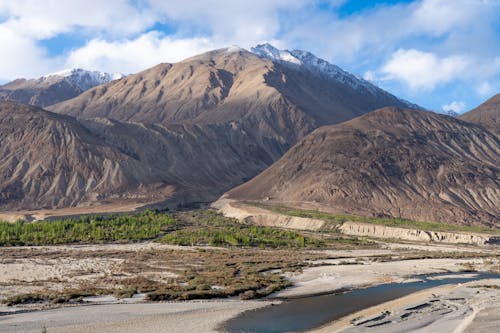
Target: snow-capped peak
(234,48)
(318,66)
(450,113)
(84,79)
(268,51)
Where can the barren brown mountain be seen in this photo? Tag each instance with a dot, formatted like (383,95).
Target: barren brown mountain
(39,93)
(50,160)
(54,161)
(53,88)
(486,114)
(198,127)
(391,162)
(271,100)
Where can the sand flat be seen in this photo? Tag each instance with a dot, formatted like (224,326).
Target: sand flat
(191,316)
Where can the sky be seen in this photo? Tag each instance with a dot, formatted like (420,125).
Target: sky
(441,54)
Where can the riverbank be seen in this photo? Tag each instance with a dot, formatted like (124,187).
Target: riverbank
(468,307)
(33,267)
(189,316)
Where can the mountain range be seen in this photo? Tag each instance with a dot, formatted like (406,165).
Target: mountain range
(54,88)
(190,131)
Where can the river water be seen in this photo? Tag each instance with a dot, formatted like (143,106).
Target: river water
(305,313)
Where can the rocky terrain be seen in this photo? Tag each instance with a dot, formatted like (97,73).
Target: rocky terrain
(390,163)
(197,128)
(54,88)
(486,114)
(50,160)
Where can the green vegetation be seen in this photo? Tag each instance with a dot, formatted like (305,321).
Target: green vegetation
(214,229)
(198,227)
(390,222)
(87,229)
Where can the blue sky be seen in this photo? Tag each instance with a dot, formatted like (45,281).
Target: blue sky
(441,54)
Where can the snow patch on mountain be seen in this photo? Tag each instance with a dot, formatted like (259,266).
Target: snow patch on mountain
(82,78)
(319,66)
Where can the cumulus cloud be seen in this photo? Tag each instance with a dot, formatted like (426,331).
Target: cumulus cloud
(437,37)
(484,89)
(21,57)
(24,23)
(129,56)
(455,106)
(45,19)
(423,69)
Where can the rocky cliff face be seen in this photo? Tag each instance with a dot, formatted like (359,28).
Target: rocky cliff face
(260,216)
(384,232)
(391,162)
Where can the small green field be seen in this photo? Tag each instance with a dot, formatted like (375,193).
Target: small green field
(194,228)
(87,229)
(390,222)
(206,227)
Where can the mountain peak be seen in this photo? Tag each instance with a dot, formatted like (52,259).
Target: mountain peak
(84,79)
(268,51)
(314,64)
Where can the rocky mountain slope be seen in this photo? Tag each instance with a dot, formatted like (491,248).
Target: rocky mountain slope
(486,114)
(50,160)
(391,162)
(54,161)
(54,88)
(230,85)
(198,127)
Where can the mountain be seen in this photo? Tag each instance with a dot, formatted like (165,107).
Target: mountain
(391,162)
(50,160)
(486,114)
(451,113)
(54,88)
(228,85)
(305,60)
(201,126)
(54,161)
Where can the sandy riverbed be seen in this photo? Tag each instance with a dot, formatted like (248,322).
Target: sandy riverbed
(353,269)
(449,308)
(184,317)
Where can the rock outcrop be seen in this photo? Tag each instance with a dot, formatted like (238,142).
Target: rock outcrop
(385,232)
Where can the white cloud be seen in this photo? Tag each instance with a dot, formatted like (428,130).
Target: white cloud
(484,89)
(22,58)
(442,16)
(455,106)
(45,19)
(424,70)
(227,21)
(130,56)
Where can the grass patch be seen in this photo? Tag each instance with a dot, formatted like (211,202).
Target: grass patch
(207,227)
(390,222)
(87,229)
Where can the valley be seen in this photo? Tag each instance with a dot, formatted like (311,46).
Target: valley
(129,263)
(236,187)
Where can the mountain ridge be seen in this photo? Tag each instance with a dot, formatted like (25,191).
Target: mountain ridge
(54,88)
(390,162)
